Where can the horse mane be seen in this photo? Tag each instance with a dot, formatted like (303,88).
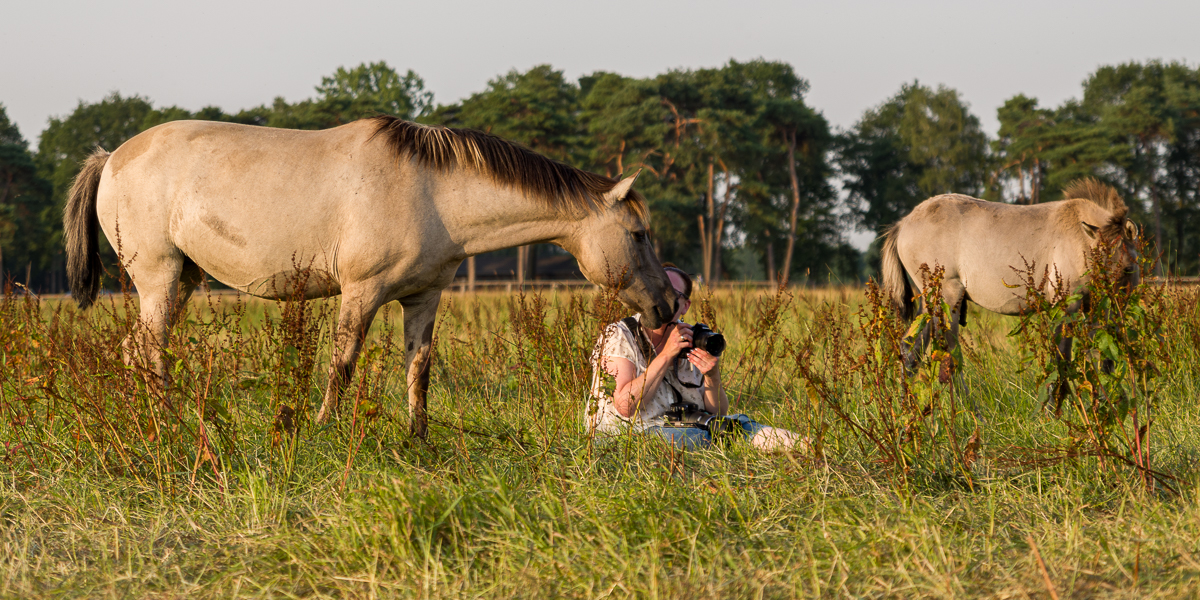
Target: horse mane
(558,185)
(1101,194)
(1104,196)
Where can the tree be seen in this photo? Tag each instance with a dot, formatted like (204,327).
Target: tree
(17,171)
(632,125)
(786,122)
(21,193)
(1021,145)
(1152,112)
(363,91)
(622,120)
(535,108)
(726,140)
(920,143)
(711,137)
(376,87)
(713,147)
(1137,128)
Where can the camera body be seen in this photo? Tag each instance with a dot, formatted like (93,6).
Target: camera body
(684,414)
(708,340)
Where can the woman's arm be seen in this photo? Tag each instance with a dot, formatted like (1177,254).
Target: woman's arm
(631,390)
(715,400)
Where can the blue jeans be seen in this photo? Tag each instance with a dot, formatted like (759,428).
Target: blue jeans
(692,438)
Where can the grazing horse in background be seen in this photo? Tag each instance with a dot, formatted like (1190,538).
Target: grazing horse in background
(979,243)
(379,209)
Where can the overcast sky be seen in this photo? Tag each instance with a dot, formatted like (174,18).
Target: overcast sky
(241,54)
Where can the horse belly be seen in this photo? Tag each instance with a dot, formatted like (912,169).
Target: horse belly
(995,274)
(262,254)
(989,291)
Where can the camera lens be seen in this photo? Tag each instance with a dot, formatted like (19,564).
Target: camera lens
(708,340)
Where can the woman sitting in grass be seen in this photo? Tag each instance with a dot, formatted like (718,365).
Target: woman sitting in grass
(638,374)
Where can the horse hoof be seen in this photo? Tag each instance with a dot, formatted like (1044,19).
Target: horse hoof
(322,416)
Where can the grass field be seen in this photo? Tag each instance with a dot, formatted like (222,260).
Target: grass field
(230,491)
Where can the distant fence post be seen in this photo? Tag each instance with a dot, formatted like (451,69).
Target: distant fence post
(522,253)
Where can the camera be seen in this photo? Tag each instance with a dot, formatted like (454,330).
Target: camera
(708,340)
(683,414)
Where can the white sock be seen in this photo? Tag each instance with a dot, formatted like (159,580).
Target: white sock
(773,439)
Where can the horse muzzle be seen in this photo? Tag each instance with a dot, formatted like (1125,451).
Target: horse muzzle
(661,314)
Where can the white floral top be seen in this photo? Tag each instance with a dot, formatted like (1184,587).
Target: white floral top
(618,341)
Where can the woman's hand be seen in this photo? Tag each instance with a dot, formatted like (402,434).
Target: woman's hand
(679,339)
(703,361)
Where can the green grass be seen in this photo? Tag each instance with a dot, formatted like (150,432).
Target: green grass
(106,493)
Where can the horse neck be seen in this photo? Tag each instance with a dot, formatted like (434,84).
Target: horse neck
(487,217)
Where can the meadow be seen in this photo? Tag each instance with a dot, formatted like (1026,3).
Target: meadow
(959,481)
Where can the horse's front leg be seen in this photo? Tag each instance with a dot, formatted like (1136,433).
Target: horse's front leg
(1060,388)
(420,314)
(354,320)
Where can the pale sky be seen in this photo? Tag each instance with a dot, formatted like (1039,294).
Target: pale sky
(855,54)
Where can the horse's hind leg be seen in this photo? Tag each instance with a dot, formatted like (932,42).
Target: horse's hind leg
(955,296)
(917,348)
(157,284)
(420,314)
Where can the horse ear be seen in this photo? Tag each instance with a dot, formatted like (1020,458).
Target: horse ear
(619,191)
(1131,230)
(1090,230)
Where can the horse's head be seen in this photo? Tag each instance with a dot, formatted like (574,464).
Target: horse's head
(1120,236)
(1105,221)
(613,247)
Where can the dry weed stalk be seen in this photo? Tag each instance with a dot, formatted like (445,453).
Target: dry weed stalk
(855,369)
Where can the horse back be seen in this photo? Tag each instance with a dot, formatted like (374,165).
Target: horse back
(250,204)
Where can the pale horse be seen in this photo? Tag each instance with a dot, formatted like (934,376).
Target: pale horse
(380,209)
(980,243)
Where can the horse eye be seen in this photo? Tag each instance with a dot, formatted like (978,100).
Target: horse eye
(639,236)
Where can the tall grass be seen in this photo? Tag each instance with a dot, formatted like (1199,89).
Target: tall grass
(222,486)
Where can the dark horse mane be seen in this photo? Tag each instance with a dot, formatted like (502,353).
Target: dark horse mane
(559,185)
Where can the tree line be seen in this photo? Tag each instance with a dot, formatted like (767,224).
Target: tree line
(744,178)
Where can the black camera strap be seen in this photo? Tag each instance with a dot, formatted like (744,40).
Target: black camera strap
(691,386)
(644,345)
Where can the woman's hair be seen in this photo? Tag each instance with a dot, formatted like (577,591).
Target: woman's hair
(687,279)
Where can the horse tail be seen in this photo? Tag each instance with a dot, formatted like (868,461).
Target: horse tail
(895,283)
(79,228)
